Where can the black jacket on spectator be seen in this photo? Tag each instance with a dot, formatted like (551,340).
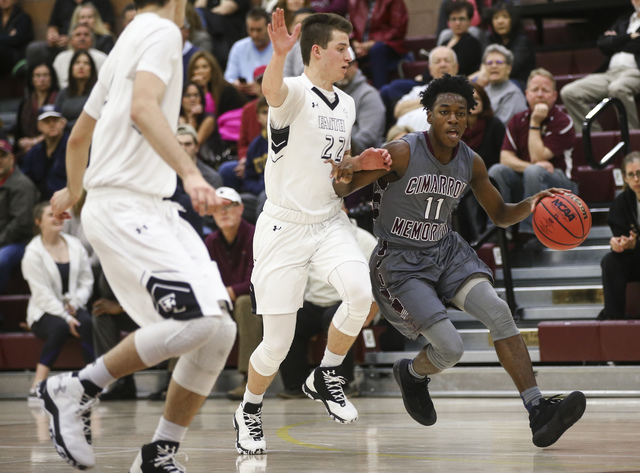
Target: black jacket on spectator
(524,57)
(620,42)
(13,46)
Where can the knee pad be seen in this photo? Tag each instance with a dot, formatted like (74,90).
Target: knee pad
(356,293)
(445,355)
(278,333)
(170,338)
(198,370)
(483,303)
(445,346)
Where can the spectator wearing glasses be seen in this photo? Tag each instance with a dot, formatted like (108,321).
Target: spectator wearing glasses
(231,247)
(467,48)
(622,264)
(506,97)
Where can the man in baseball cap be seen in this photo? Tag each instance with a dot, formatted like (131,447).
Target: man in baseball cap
(45,164)
(231,247)
(49,110)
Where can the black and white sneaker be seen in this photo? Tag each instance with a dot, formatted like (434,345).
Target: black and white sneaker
(158,457)
(552,417)
(248,424)
(69,408)
(324,385)
(415,394)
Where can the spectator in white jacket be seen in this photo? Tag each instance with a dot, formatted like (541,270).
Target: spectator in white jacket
(58,271)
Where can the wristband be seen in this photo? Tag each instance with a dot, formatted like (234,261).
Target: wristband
(534,128)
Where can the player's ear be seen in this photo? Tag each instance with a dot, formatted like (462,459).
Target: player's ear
(429,116)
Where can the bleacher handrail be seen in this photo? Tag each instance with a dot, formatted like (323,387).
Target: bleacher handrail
(592,116)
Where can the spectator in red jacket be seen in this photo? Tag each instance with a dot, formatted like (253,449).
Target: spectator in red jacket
(379,29)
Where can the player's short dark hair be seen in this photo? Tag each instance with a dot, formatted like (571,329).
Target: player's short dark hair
(448,84)
(143,3)
(257,13)
(318,29)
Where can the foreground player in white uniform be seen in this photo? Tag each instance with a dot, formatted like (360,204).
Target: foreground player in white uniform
(302,225)
(154,261)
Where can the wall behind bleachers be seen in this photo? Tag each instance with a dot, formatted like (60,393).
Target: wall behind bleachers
(423,15)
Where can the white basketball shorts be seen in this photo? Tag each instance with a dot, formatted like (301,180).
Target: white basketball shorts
(156,264)
(283,252)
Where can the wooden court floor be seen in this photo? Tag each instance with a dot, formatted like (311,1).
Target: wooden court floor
(471,435)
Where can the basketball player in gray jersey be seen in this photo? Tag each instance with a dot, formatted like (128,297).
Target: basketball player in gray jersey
(421,264)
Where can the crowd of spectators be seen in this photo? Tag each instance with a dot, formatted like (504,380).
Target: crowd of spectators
(524,137)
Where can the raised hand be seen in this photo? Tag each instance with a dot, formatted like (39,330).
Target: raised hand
(281,40)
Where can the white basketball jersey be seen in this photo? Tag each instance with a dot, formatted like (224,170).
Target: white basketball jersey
(120,156)
(310,127)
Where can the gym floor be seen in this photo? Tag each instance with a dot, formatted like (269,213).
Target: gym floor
(471,435)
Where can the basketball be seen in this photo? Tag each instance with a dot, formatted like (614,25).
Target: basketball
(561,222)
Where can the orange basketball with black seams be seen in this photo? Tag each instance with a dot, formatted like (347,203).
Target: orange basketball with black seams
(561,222)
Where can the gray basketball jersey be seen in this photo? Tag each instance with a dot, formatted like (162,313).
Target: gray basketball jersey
(415,211)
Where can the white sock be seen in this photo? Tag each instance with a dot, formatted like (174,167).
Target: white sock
(97,373)
(252,398)
(167,430)
(331,359)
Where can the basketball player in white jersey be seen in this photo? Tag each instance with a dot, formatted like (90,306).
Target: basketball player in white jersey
(158,267)
(302,225)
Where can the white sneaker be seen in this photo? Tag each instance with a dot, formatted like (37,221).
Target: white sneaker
(248,424)
(159,456)
(69,410)
(324,385)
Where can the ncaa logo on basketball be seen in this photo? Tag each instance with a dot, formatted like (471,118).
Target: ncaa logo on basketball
(566,211)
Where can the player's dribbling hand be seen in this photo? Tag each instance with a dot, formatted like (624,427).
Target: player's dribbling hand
(61,202)
(372,159)
(547,193)
(342,172)
(203,197)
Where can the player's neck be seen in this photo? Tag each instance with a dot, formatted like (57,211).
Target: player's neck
(317,78)
(442,153)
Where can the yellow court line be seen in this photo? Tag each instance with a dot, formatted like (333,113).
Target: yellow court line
(284,434)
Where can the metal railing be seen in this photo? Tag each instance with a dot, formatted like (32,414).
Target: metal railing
(590,119)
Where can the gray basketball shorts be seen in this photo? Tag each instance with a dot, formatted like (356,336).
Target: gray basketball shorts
(412,287)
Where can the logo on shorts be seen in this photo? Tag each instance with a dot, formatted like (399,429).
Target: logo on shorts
(173,299)
(276,228)
(169,304)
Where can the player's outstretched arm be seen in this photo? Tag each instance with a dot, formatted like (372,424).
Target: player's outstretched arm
(273,86)
(76,163)
(502,214)
(371,165)
(146,114)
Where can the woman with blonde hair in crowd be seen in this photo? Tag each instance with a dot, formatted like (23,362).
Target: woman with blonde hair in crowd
(88,14)
(56,267)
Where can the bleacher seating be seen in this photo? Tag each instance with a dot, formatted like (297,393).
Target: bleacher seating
(589,341)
